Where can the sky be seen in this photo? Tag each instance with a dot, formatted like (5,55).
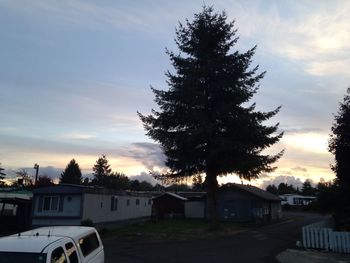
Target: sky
(74,73)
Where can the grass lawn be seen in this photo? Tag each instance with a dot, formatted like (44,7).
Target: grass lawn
(174,229)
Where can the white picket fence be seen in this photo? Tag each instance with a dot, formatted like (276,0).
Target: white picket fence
(320,236)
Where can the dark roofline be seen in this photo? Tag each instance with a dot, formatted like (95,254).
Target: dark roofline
(80,189)
(252,190)
(172,195)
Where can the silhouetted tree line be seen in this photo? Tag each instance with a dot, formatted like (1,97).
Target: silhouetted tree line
(284,188)
(102,176)
(105,177)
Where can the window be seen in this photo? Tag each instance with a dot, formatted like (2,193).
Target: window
(137,201)
(114,203)
(58,256)
(51,203)
(88,244)
(71,253)
(127,202)
(266,211)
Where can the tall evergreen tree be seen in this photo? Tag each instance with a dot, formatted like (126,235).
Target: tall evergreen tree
(284,188)
(339,146)
(72,174)
(308,189)
(2,174)
(101,170)
(117,181)
(339,143)
(204,125)
(272,189)
(44,181)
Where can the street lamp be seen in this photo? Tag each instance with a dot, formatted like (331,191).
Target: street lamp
(36,167)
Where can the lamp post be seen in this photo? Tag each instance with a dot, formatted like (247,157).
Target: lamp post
(36,167)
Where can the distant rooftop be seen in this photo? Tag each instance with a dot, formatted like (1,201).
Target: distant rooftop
(253,190)
(79,189)
(171,194)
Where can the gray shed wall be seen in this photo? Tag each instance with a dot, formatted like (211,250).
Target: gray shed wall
(195,209)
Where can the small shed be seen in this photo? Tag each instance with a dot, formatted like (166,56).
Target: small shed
(168,205)
(195,207)
(238,202)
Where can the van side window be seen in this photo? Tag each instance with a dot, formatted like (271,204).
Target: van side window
(71,253)
(58,256)
(88,244)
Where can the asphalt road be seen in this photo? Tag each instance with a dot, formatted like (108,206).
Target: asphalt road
(255,245)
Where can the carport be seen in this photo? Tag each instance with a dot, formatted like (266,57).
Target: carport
(20,219)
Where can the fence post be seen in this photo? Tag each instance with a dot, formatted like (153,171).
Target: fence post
(303,229)
(326,238)
(320,233)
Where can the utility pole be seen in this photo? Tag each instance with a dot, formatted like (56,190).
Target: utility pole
(36,167)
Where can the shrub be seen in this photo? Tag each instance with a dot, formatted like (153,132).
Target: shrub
(87,222)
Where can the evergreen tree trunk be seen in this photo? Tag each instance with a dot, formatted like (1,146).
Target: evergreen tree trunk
(212,200)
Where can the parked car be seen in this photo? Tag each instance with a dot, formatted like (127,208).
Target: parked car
(58,244)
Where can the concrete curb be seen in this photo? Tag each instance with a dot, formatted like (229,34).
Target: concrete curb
(311,256)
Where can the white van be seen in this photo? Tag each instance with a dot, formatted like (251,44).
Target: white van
(57,244)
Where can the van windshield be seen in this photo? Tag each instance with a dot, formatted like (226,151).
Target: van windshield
(16,257)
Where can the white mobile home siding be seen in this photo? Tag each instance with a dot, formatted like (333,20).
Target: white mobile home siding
(98,207)
(69,214)
(55,222)
(71,206)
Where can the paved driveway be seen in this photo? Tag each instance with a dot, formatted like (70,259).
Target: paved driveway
(255,245)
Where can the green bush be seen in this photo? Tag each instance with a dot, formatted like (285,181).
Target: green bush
(87,222)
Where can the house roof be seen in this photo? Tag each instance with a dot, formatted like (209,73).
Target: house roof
(171,194)
(60,189)
(193,196)
(297,196)
(253,190)
(80,189)
(16,197)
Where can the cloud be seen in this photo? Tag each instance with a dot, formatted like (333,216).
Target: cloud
(299,169)
(50,171)
(87,14)
(283,179)
(308,142)
(328,67)
(130,158)
(78,136)
(144,177)
(313,34)
(293,130)
(149,154)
